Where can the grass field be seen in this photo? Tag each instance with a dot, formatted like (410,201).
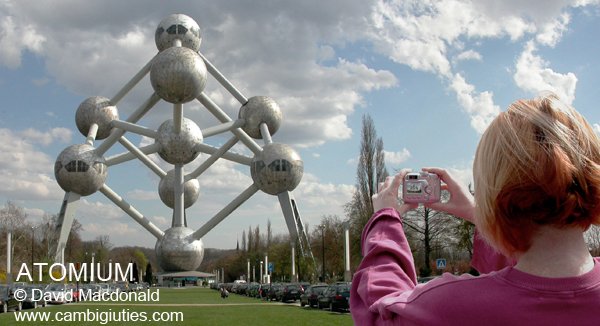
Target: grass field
(185,306)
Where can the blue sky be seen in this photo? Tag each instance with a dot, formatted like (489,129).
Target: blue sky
(431,74)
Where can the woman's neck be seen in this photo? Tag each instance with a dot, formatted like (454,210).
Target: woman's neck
(556,252)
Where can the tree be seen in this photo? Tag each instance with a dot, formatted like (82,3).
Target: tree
(13,219)
(148,275)
(256,236)
(429,232)
(250,238)
(269,234)
(369,172)
(243,240)
(140,257)
(328,244)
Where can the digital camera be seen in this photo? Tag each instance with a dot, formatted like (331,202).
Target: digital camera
(421,187)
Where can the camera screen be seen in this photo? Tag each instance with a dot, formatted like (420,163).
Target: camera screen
(414,187)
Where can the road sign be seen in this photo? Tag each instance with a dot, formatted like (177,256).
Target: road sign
(441,263)
(270,267)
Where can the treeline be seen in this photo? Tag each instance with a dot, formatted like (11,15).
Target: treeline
(326,241)
(32,243)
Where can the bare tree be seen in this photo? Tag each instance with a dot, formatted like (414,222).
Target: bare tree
(13,219)
(369,172)
(430,232)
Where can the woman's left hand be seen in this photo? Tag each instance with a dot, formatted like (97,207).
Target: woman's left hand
(387,195)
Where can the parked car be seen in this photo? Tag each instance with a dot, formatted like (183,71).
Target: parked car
(7,300)
(288,292)
(272,294)
(263,291)
(335,297)
(252,290)
(34,296)
(304,286)
(59,293)
(310,297)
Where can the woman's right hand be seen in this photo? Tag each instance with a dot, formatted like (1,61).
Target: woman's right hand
(461,203)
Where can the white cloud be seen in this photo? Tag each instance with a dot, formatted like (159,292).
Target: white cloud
(479,106)
(139,194)
(96,210)
(46,138)
(421,34)
(317,198)
(538,11)
(551,32)
(117,231)
(534,75)
(596,128)
(468,55)
(395,158)
(25,171)
(17,36)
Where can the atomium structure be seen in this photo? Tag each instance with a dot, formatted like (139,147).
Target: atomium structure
(178,75)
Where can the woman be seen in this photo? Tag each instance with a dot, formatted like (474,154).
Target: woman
(537,189)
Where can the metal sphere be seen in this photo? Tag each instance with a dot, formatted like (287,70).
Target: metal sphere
(98,110)
(179,147)
(166,190)
(181,27)
(178,75)
(80,170)
(176,252)
(260,109)
(276,169)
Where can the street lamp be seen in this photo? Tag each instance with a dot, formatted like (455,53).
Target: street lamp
(323,252)
(261,272)
(32,236)
(92,269)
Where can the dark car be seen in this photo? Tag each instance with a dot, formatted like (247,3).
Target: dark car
(304,286)
(252,290)
(272,294)
(263,291)
(335,297)
(34,296)
(7,300)
(288,292)
(310,296)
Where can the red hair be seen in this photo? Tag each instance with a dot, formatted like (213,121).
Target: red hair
(537,164)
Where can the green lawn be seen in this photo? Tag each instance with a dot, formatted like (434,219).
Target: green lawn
(196,306)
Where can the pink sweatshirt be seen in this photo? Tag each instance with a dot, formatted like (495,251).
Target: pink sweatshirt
(385,291)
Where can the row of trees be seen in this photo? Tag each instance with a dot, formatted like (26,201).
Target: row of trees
(32,242)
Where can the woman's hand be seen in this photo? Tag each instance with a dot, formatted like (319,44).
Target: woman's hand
(461,203)
(387,195)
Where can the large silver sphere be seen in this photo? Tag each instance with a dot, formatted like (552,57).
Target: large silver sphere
(98,110)
(276,169)
(178,27)
(166,190)
(80,170)
(175,252)
(260,109)
(178,75)
(179,147)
